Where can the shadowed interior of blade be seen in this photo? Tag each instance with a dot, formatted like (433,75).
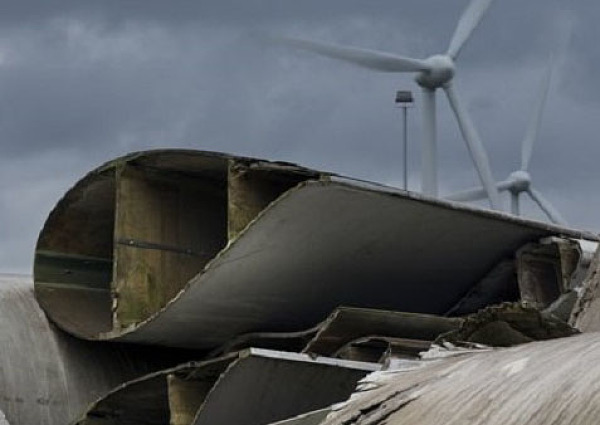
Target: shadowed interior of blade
(130,235)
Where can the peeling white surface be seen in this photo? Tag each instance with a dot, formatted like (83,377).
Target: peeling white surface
(546,382)
(589,248)
(516,367)
(394,364)
(450,350)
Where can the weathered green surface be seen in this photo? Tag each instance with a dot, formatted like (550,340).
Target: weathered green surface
(54,268)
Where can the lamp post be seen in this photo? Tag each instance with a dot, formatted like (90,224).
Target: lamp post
(404,99)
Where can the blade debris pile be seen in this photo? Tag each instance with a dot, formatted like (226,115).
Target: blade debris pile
(205,288)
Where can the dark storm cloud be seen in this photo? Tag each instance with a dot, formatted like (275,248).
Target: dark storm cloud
(84,81)
(176,12)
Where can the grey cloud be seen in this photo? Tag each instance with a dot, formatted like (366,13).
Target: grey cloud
(84,81)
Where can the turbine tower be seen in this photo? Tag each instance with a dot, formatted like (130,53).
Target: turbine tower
(519,181)
(433,73)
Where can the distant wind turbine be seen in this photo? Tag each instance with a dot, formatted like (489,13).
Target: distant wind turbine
(519,181)
(433,73)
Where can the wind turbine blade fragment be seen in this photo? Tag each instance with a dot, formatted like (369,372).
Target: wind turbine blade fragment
(547,207)
(429,185)
(365,58)
(475,147)
(469,20)
(536,118)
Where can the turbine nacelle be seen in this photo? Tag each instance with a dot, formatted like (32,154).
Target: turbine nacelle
(520,181)
(441,71)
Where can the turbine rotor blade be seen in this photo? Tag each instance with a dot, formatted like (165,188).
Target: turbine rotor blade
(469,20)
(531,136)
(536,118)
(475,147)
(505,185)
(477,193)
(365,58)
(546,206)
(474,194)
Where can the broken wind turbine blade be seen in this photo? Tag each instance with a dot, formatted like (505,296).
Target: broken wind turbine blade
(46,376)
(347,324)
(344,327)
(537,384)
(221,247)
(252,387)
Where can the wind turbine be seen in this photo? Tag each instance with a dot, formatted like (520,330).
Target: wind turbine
(519,181)
(433,73)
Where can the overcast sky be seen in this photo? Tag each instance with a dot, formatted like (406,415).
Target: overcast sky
(84,81)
